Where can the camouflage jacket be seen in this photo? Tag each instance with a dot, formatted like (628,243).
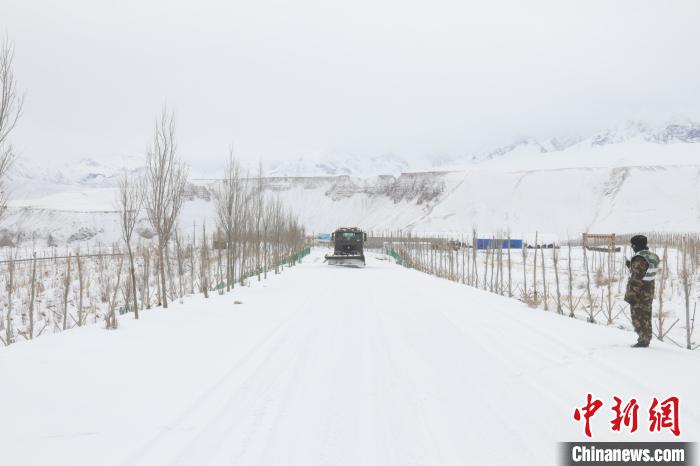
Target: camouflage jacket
(638,290)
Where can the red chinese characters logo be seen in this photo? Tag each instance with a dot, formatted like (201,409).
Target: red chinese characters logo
(588,411)
(662,414)
(626,415)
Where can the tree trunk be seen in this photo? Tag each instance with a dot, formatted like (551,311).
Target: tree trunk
(66,287)
(132,271)
(161,267)
(81,321)
(32,297)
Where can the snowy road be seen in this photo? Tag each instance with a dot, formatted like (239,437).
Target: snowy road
(331,366)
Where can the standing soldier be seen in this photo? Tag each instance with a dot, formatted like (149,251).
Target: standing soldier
(640,288)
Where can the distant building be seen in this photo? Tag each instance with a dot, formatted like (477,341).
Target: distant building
(489,243)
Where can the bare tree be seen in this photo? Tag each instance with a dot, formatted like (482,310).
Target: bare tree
(180,266)
(258,214)
(11,285)
(510,275)
(166,177)
(11,103)
(242,226)
(663,276)
(32,297)
(204,263)
(228,201)
(524,253)
(687,285)
(111,288)
(81,287)
(66,289)
(545,288)
(130,202)
(145,288)
(534,272)
(555,263)
(267,228)
(591,315)
(571,285)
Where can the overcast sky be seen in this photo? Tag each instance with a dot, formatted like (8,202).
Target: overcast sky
(279,79)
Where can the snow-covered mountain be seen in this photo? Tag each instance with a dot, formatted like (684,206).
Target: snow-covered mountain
(672,132)
(30,178)
(634,178)
(676,131)
(385,164)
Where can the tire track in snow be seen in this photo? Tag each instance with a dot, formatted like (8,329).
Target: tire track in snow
(243,430)
(459,374)
(390,374)
(209,396)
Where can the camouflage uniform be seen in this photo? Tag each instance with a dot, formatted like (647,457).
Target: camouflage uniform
(640,293)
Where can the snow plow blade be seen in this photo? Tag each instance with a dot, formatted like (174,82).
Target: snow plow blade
(346,261)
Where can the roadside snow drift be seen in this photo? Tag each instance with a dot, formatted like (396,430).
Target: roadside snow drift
(331,366)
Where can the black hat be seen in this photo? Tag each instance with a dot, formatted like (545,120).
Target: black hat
(639,242)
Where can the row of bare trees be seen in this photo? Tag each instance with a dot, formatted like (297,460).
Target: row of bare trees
(253,229)
(49,293)
(590,284)
(252,233)
(260,235)
(160,192)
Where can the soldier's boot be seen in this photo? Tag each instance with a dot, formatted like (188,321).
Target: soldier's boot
(641,320)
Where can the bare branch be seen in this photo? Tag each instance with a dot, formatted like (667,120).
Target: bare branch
(130,201)
(11,103)
(166,178)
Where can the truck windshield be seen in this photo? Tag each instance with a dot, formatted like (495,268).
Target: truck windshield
(349,236)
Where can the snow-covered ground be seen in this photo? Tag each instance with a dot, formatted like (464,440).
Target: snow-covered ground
(333,366)
(672,323)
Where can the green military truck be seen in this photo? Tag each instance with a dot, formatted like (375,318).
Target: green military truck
(348,247)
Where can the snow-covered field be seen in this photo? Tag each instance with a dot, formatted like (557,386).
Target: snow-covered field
(332,366)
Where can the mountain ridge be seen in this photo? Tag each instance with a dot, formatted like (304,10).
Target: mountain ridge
(53,176)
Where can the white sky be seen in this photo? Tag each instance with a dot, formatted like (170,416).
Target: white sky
(280,79)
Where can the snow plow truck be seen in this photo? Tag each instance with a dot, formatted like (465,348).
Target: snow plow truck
(348,247)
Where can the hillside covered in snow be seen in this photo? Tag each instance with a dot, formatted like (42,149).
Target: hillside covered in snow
(636,178)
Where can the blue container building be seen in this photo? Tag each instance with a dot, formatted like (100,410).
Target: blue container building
(489,243)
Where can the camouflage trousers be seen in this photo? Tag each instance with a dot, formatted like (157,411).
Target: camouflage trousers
(641,319)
